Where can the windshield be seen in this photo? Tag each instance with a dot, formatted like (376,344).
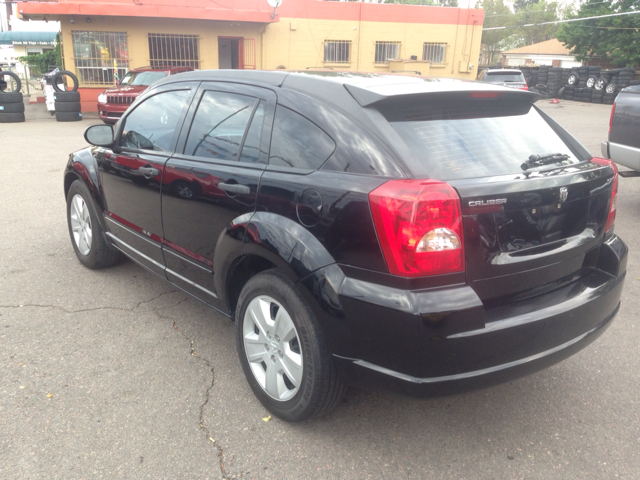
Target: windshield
(504,77)
(142,78)
(474,139)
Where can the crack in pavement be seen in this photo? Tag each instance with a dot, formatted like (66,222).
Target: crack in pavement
(207,432)
(208,363)
(66,310)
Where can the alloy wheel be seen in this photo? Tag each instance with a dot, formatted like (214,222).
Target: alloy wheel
(81,224)
(273,348)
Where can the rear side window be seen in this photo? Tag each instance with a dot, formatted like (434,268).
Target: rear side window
(474,139)
(296,142)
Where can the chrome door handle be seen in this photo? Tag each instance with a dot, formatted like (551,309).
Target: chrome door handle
(234,188)
(149,172)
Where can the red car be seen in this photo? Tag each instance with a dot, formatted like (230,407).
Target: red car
(113,102)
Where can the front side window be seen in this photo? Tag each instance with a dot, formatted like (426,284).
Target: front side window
(219,125)
(152,125)
(101,58)
(386,51)
(166,49)
(434,52)
(337,51)
(296,142)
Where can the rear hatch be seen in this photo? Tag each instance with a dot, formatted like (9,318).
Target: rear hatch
(525,229)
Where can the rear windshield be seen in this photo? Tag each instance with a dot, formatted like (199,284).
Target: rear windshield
(473,139)
(504,77)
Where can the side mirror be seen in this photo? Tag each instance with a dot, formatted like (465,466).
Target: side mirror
(99,135)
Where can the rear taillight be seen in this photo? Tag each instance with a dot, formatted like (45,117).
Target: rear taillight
(419,224)
(613,111)
(524,87)
(611,219)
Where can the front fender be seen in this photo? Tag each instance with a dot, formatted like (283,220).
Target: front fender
(83,165)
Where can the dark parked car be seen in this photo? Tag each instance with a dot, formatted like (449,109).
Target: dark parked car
(421,234)
(624,142)
(507,77)
(113,102)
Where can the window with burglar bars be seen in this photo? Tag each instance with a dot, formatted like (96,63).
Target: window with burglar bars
(100,57)
(434,52)
(337,51)
(386,51)
(173,50)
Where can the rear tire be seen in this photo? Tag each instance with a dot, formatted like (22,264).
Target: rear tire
(12,117)
(573,79)
(68,107)
(87,237)
(11,107)
(11,97)
(601,83)
(291,370)
(68,116)
(16,79)
(59,75)
(66,97)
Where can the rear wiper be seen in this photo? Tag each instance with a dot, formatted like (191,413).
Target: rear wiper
(539,160)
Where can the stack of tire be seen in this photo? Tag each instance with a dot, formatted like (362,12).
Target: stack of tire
(67,102)
(554,83)
(11,103)
(543,75)
(533,80)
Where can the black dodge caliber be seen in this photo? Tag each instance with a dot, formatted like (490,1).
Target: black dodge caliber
(420,234)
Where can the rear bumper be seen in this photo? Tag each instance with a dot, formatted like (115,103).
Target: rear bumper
(622,154)
(444,340)
(368,375)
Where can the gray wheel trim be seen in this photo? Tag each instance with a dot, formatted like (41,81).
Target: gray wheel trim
(270,347)
(81,224)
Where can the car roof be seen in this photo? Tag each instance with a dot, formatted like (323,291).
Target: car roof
(503,70)
(165,68)
(332,86)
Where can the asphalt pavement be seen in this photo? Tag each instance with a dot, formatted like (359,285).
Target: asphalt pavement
(114,374)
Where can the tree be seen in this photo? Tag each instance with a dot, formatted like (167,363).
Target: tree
(497,14)
(613,38)
(531,14)
(41,63)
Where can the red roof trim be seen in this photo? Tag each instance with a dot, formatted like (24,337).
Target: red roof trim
(258,11)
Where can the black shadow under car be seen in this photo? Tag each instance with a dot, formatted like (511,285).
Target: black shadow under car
(419,234)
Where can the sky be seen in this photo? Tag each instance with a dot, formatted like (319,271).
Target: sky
(26,26)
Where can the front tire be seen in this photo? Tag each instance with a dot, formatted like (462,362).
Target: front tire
(87,236)
(283,352)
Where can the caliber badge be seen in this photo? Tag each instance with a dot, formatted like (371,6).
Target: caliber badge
(484,203)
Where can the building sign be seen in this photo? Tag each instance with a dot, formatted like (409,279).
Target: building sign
(30,42)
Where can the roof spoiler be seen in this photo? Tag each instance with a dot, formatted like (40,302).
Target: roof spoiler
(368,97)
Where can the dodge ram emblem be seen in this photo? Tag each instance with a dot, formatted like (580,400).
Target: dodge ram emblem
(564,193)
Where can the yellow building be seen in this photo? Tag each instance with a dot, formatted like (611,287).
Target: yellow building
(102,36)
